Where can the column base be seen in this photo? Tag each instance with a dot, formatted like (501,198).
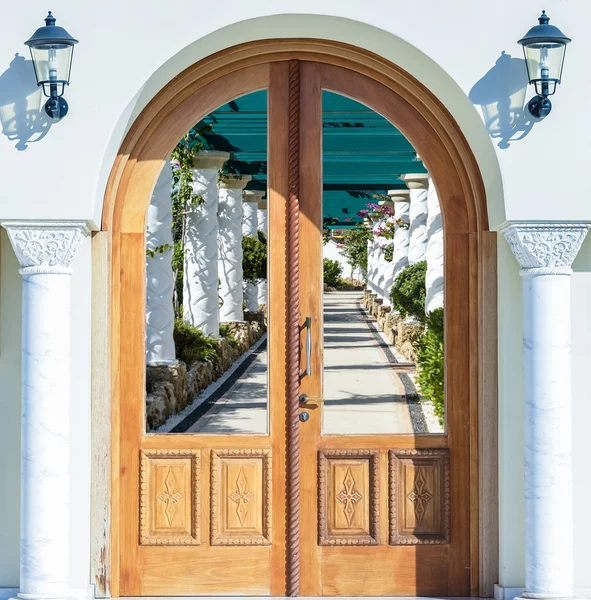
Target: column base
(516,593)
(542,596)
(20,596)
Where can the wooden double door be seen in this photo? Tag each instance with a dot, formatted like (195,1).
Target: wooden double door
(295,511)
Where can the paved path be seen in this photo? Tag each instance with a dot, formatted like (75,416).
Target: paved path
(362,390)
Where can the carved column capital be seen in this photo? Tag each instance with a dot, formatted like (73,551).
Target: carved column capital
(545,248)
(210,159)
(47,247)
(234,182)
(255,196)
(399,195)
(416,181)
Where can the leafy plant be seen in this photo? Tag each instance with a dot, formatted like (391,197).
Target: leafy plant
(431,362)
(254,258)
(158,250)
(332,270)
(192,344)
(389,253)
(354,243)
(226,332)
(408,292)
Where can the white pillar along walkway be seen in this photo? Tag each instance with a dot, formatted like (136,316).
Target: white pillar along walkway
(160,348)
(417,184)
(200,282)
(401,199)
(230,246)
(45,251)
(263,227)
(435,274)
(545,252)
(250,221)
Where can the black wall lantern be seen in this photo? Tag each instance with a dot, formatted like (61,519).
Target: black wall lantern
(52,48)
(544,47)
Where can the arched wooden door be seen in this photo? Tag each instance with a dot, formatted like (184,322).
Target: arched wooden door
(298,545)
(389,509)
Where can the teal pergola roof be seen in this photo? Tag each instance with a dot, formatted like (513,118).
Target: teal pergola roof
(364,155)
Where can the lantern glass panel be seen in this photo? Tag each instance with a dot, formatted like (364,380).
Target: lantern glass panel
(544,65)
(52,65)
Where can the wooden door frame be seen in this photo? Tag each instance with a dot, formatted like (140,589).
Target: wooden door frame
(438,139)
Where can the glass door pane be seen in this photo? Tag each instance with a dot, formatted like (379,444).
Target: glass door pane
(383,278)
(206,261)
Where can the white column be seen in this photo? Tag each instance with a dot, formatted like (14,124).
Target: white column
(388,267)
(434,277)
(263,227)
(200,282)
(45,252)
(250,224)
(371,260)
(160,348)
(379,262)
(545,253)
(401,199)
(417,184)
(230,246)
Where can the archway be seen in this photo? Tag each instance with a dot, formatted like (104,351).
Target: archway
(424,121)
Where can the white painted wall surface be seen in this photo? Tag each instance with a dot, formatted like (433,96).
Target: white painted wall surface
(444,45)
(330,250)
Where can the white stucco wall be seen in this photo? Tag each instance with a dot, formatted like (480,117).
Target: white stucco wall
(129,50)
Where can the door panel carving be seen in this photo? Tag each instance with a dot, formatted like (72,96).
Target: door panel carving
(348,493)
(170,503)
(241,497)
(419,497)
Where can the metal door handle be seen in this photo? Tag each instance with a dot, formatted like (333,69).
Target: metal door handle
(308,326)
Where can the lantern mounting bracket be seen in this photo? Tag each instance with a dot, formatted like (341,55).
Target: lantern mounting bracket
(539,106)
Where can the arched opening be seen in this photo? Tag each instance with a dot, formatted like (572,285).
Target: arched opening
(469,251)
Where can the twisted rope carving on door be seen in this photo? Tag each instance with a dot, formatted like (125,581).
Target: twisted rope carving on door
(293,338)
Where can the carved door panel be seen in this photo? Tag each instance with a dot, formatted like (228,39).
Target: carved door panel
(390,505)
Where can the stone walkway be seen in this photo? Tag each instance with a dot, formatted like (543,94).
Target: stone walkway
(364,390)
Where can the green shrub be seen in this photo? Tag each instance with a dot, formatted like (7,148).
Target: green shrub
(192,344)
(408,292)
(431,363)
(254,257)
(226,332)
(332,272)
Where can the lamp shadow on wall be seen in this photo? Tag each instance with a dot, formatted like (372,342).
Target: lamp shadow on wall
(22,116)
(501,97)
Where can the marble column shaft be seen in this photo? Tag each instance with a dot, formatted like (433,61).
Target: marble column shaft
(372,262)
(160,348)
(418,186)
(545,252)
(250,220)
(230,247)
(45,251)
(263,227)
(401,235)
(200,282)
(434,278)
(380,262)
(388,267)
